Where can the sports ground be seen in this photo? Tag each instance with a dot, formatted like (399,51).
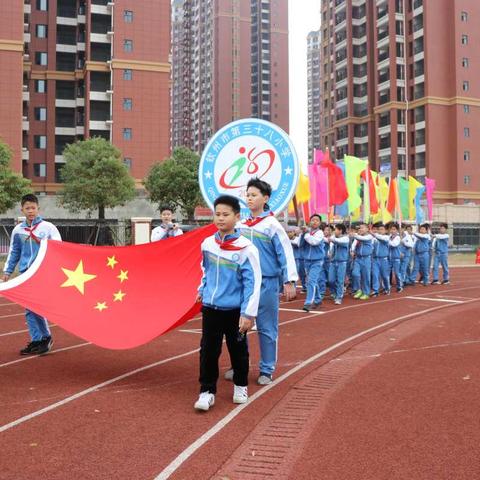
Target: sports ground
(383,389)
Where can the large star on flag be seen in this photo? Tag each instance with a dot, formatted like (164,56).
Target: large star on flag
(77,278)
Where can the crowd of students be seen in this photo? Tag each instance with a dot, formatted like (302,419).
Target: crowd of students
(366,260)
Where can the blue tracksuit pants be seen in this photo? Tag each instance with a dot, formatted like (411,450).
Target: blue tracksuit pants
(362,269)
(380,274)
(300,263)
(440,259)
(314,269)
(37,326)
(421,265)
(405,267)
(267,324)
(395,265)
(336,278)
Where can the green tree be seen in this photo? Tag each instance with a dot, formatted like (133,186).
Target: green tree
(12,185)
(175,181)
(94,177)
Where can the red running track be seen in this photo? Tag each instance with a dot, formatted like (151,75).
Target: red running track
(352,399)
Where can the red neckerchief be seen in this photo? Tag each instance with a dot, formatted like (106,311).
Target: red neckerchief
(251,222)
(229,244)
(30,230)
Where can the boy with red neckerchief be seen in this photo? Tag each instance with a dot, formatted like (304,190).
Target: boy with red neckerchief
(24,246)
(229,292)
(277,264)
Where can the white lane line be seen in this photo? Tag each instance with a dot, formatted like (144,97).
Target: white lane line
(300,311)
(193,330)
(431,299)
(190,450)
(6,304)
(53,352)
(13,315)
(19,331)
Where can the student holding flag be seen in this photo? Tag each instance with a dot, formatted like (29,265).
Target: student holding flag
(381,264)
(440,250)
(362,267)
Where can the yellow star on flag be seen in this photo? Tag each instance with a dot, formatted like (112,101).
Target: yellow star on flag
(77,278)
(111,262)
(101,306)
(123,275)
(118,297)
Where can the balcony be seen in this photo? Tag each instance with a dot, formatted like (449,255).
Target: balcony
(101,9)
(25,125)
(25,154)
(25,96)
(27,8)
(99,125)
(100,37)
(26,37)
(67,21)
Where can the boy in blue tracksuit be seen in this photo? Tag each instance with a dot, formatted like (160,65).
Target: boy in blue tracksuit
(363,261)
(277,264)
(314,255)
(440,250)
(24,248)
(407,243)
(380,262)
(340,253)
(422,255)
(394,255)
(295,240)
(229,292)
(323,281)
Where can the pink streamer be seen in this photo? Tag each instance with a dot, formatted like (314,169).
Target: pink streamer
(319,184)
(430,187)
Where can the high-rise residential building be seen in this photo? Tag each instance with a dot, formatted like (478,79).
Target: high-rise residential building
(313,91)
(230,61)
(399,88)
(90,68)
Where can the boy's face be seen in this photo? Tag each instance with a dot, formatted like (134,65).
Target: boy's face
(393,230)
(381,230)
(338,232)
(443,229)
(166,216)
(314,222)
(30,210)
(374,229)
(225,218)
(423,230)
(255,199)
(362,229)
(291,235)
(409,230)
(327,232)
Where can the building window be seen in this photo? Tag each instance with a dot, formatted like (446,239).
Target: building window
(128,16)
(41,30)
(42,5)
(466,86)
(40,169)
(464,16)
(127,74)
(466,109)
(41,58)
(127,103)
(40,86)
(465,62)
(128,45)
(464,39)
(40,114)
(466,156)
(128,163)
(40,141)
(466,132)
(127,133)
(466,180)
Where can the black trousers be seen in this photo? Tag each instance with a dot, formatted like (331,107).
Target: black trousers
(216,324)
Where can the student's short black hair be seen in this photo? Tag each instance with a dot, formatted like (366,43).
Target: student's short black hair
(166,207)
(228,200)
(341,227)
(264,187)
(445,225)
(316,215)
(362,223)
(29,197)
(394,224)
(426,225)
(378,225)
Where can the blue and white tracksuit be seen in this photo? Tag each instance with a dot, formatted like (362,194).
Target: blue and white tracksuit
(340,253)
(24,246)
(406,250)
(395,260)
(362,267)
(314,255)
(231,278)
(380,263)
(298,255)
(276,261)
(422,257)
(440,249)
(323,281)
(163,232)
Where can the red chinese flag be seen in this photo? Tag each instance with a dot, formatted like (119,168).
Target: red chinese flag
(372,190)
(392,196)
(337,188)
(115,297)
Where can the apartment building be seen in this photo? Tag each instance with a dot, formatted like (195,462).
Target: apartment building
(313,91)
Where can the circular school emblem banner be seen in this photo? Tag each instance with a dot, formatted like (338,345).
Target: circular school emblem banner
(244,149)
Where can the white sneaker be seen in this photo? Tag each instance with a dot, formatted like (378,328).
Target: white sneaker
(205,401)
(228,375)
(240,394)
